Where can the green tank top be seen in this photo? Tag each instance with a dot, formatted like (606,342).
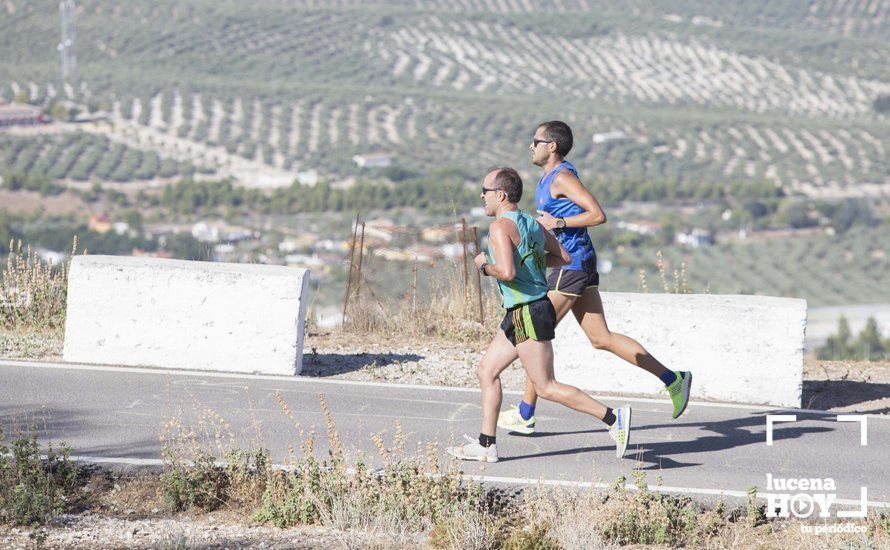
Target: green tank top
(530,283)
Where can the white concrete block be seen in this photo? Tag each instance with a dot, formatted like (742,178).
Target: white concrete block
(186,315)
(743,349)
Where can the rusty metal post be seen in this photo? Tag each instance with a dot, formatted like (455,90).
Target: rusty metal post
(351,264)
(414,289)
(463,242)
(478,277)
(361,255)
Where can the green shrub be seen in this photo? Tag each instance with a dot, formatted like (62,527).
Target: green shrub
(32,489)
(203,484)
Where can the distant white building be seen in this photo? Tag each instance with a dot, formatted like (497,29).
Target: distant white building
(696,238)
(453,250)
(20,114)
(121,228)
(50,256)
(380,160)
(614,135)
(205,232)
(304,260)
(308,178)
(642,227)
(225,252)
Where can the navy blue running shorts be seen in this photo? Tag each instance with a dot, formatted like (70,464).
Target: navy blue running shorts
(572,282)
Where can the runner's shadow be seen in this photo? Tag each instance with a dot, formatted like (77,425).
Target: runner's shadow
(537,435)
(727,435)
(559,452)
(332,364)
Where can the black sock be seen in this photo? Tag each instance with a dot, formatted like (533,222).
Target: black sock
(609,418)
(486,440)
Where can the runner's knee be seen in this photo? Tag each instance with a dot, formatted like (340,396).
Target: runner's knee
(485,373)
(601,341)
(546,391)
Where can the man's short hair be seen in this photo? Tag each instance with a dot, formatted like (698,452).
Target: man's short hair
(509,181)
(560,133)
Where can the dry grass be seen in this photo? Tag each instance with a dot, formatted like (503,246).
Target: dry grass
(678,284)
(33,294)
(394,496)
(450,312)
(405,501)
(31,344)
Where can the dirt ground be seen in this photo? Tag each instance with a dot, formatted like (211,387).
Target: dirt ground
(29,202)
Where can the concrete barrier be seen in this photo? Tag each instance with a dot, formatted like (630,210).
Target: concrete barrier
(186,315)
(743,349)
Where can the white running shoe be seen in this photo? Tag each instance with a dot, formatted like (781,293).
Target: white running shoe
(512,421)
(472,450)
(620,430)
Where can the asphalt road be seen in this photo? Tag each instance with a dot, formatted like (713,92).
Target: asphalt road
(120,414)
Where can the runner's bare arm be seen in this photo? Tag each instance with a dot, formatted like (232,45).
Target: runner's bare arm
(502,247)
(557,256)
(567,185)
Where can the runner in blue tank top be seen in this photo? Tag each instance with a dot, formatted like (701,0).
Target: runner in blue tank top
(567,208)
(520,251)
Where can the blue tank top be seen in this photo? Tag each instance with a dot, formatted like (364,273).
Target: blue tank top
(575,240)
(529,257)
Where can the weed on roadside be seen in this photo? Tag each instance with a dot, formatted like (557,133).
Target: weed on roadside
(33,489)
(33,294)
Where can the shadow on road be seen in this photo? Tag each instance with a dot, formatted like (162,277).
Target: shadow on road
(332,364)
(728,434)
(74,427)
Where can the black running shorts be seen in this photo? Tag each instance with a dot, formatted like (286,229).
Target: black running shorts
(573,282)
(534,320)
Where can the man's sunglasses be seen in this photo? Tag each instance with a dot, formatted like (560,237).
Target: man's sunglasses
(486,190)
(535,142)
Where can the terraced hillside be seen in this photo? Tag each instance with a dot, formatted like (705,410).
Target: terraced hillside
(826,270)
(82,157)
(669,91)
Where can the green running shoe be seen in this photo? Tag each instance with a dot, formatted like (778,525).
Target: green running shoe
(512,421)
(679,392)
(620,430)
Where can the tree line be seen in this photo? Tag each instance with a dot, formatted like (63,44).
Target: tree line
(869,345)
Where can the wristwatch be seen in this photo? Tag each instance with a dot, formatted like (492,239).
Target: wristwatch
(482,269)
(560,223)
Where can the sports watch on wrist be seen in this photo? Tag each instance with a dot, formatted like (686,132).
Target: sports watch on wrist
(560,223)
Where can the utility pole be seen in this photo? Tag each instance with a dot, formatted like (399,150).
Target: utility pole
(68,37)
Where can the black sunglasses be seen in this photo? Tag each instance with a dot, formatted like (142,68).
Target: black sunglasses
(535,142)
(486,190)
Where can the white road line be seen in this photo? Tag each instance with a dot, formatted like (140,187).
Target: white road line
(514,481)
(308,380)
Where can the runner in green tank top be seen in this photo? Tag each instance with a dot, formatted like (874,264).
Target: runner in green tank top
(530,282)
(520,250)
